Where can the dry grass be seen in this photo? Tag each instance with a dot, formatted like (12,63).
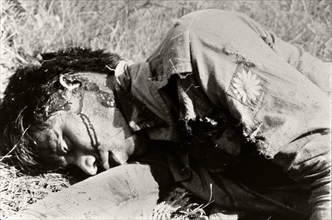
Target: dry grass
(19,190)
(132,29)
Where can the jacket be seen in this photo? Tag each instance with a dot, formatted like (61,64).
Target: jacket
(225,89)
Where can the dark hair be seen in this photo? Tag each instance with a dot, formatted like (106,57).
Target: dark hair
(28,91)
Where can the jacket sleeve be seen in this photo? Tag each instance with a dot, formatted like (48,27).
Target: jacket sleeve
(129,191)
(115,193)
(319,72)
(269,89)
(311,165)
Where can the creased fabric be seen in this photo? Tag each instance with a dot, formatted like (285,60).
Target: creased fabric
(222,82)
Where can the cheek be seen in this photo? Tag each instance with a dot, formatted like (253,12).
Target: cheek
(102,121)
(113,133)
(110,130)
(107,121)
(77,133)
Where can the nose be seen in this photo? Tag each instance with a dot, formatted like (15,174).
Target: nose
(88,164)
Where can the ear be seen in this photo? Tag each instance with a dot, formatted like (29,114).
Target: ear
(68,84)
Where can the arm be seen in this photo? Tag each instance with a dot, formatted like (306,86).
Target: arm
(314,69)
(311,165)
(231,197)
(284,113)
(317,71)
(115,193)
(128,191)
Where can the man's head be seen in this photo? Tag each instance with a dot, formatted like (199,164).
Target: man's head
(61,112)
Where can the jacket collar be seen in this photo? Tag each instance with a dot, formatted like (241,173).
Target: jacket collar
(140,102)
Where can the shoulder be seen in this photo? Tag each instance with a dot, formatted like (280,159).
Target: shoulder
(211,19)
(174,54)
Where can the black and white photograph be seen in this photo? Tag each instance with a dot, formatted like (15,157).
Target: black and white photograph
(165,109)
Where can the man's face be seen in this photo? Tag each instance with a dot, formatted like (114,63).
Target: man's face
(90,135)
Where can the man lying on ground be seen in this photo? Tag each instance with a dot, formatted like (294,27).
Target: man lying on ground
(244,115)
